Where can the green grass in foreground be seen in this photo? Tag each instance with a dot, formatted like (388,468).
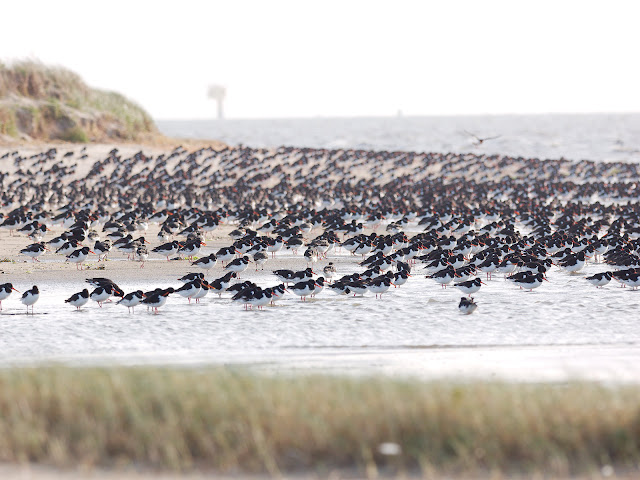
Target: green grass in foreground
(236,421)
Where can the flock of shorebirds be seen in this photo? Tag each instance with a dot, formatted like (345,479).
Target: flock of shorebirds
(472,216)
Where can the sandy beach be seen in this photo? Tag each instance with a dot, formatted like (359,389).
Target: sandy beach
(52,267)
(39,472)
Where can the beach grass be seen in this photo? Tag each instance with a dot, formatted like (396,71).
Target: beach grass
(230,420)
(54,103)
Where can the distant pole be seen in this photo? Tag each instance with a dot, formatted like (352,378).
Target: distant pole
(218,92)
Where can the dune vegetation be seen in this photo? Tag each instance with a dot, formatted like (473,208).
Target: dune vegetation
(230,420)
(39,102)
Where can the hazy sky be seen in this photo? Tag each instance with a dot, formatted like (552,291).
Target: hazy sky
(341,58)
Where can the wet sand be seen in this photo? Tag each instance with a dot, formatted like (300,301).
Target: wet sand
(39,472)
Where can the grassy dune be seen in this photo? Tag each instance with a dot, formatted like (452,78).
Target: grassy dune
(52,103)
(182,419)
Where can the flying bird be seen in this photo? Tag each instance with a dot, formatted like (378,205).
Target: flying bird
(479,141)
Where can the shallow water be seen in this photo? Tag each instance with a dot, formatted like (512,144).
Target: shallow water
(566,328)
(605,137)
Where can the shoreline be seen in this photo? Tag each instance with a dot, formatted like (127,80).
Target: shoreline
(10,471)
(24,273)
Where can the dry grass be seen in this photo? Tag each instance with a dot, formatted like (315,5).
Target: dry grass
(233,421)
(49,103)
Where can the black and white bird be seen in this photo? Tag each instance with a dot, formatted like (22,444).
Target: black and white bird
(600,279)
(303,289)
(226,254)
(102,249)
(470,286)
(573,262)
(206,263)
(380,285)
(204,290)
(5,291)
(400,277)
(167,249)
(467,305)
(68,247)
(157,299)
(329,270)
(189,289)
(78,299)
(130,300)
(527,280)
(141,254)
(260,297)
(101,294)
(190,249)
(238,265)
(34,250)
(105,282)
(190,277)
(221,284)
(30,297)
(260,258)
(444,276)
(79,256)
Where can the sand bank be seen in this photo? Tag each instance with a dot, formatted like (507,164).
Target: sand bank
(40,472)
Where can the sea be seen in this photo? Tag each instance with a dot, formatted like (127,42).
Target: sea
(564,330)
(600,137)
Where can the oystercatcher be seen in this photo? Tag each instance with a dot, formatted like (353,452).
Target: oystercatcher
(444,276)
(5,291)
(101,294)
(78,299)
(226,254)
(130,300)
(303,289)
(467,305)
(600,279)
(470,286)
(34,250)
(528,280)
(573,263)
(142,253)
(275,245)
(189,289)
(168,249)
(489,265)
(207,262)
(68,247)
(79,256)
(221,284)
(102,249)
(259,297)
(380,285)
(400,277)
(191,248)
(238,265)
(190,277)
(357,287)
(30,297)
(105,282)
(260,258)
(157,299)
(329,270)
(204,289)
